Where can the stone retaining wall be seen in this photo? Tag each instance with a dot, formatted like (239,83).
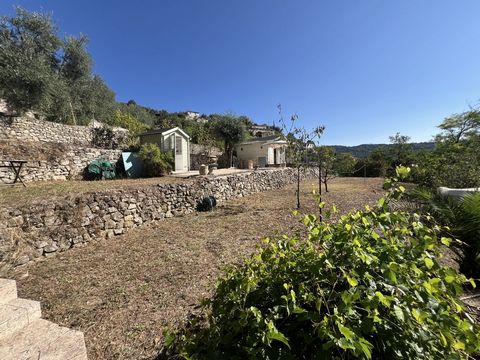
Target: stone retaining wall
(68,163)
(47,227)
(31,129)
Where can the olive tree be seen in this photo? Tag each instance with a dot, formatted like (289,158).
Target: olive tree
(28,61)
(43,72)
(231,130)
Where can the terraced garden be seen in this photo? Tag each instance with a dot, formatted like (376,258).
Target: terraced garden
(124,291)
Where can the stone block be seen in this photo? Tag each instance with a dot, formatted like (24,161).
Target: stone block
(110,224)
(41,244)
(50,248)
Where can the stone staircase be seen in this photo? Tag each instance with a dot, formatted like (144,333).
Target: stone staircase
(25,336)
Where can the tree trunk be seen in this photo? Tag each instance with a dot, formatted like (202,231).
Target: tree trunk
(320,188)
(325,180)
(298,187)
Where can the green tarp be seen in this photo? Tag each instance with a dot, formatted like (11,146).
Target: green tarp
(101,169)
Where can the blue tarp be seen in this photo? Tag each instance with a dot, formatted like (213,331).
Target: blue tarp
(133,165)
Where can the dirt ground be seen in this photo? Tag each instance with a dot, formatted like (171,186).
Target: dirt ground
(123,292)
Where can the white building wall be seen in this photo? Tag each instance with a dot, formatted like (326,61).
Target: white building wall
(251,152)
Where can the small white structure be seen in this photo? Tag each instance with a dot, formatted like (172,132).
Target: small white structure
(266,151)
(195,116)
(192,115)
(175,140)
(445,191)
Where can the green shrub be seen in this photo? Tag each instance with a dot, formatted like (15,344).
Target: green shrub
(127,121)
(461,219)
(468,229)
(366,286)
(155,162)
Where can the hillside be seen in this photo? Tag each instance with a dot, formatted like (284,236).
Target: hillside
(364,150)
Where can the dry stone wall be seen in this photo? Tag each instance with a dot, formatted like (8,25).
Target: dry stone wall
(66,164)
(45,228)
(32,129)
(54,151)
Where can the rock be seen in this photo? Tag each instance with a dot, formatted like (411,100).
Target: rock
(77,239)
(40,244)
(50,248)
(110,224)
(117,216)
(119,224)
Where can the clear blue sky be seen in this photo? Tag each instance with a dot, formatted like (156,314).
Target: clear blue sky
(365,69)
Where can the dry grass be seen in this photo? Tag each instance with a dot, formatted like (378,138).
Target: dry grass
(17,195)
(123,292)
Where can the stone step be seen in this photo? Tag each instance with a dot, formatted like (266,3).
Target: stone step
(8,290)
(16,314)
(43,340)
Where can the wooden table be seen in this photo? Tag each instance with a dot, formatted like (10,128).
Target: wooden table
(16,166)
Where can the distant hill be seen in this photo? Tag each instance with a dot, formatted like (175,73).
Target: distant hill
(363,150)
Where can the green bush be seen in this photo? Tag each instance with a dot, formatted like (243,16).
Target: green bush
(461,219)
(367,286)
(155,162)
(127,121)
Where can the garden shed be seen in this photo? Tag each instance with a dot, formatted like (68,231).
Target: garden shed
(266,151)
(175,140)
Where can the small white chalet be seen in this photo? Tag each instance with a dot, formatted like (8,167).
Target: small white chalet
(265,151)
(175,140)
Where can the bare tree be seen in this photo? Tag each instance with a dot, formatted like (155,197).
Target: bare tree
(298,139)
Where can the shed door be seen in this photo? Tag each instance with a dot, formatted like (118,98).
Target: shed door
(181,154)
(271,156)
(279,156)
(178,153)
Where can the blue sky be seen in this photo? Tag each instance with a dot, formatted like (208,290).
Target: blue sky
(364,69)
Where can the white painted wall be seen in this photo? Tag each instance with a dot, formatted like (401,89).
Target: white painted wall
(251,152)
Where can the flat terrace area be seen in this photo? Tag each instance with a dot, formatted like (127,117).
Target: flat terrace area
(124,291)
(18,195)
